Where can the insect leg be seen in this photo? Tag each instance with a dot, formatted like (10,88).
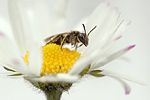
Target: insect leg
(63,41)
(80,45)
(49,42)
(76,44)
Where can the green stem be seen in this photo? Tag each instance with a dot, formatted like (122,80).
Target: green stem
(53,95)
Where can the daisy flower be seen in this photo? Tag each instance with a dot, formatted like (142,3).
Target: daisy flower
(48,67)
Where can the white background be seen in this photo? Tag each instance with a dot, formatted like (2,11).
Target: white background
(90,88)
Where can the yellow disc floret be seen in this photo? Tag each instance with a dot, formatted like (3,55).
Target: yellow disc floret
(56,60)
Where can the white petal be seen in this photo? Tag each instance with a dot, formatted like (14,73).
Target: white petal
(19,65)
(56,78)
(83,62)
(109,41)
(115,34)
(42,24)
(80,65)
(5,27)
(111,38)
(97,19)
(79,26)
(44,79)
(11,55)
(98,16)
(35,59)
(20,25)
(112,57)
(120,76)
(101,34)
(122,28)
(67,78)
(59,17)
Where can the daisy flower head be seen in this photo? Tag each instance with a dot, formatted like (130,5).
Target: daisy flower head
(51,67)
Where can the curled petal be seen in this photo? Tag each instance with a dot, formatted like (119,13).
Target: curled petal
(120,76)
(127,88)
(125,85)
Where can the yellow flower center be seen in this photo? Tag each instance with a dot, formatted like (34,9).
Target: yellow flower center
(56,60)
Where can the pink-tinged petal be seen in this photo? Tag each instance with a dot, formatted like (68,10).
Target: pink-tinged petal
(118,37)
(121,28)
(112,34)
(125,85)
(108,4)
(118,77)
(116,9)
(116,29)
(107,42)
(11,55)
(1,34)
(127,90)
(16,61)
(109,39)
(19,65)
(104,18)
(129,22)
(113,57)
(130,47)
(5,27)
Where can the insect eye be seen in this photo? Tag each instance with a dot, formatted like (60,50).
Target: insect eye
(81,37)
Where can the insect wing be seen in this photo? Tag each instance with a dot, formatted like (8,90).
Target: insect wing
(55,38)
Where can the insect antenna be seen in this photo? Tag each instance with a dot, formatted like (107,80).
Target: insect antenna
(91,30)
(84,28)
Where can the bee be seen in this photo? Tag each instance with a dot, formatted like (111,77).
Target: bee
(73,37)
